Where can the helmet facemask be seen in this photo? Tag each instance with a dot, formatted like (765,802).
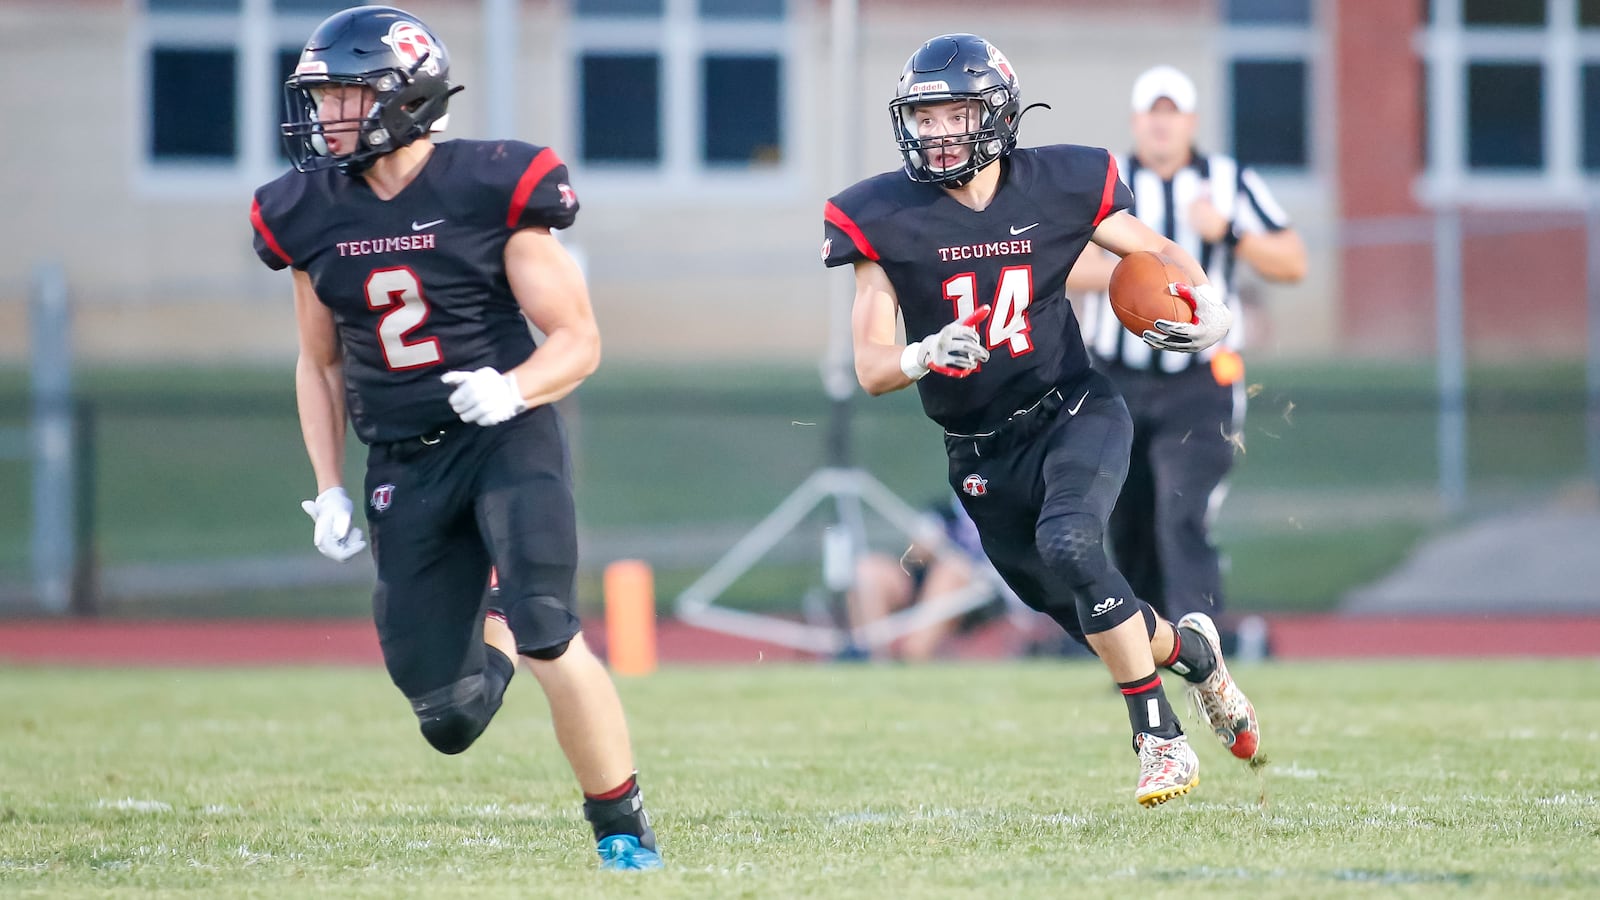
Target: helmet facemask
(987,139)
(403,108)
(956,67)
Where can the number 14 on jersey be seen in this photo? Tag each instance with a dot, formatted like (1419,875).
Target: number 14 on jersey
(1008,323)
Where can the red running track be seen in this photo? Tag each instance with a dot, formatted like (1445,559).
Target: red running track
(98,642)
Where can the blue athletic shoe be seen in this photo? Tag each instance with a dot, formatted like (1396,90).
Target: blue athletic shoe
(623,852)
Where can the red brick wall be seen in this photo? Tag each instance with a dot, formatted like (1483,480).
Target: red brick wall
(1524,292)
(1387,303)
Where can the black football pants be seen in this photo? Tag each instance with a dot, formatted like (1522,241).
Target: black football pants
(1160,528)
(455,503)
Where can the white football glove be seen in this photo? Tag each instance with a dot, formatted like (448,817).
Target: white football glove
(954,350)
(333,536)
(485,396)
(1213,319)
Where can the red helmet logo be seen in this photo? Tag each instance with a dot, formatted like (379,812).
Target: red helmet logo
(1001,64)
(410,44)
(975,485)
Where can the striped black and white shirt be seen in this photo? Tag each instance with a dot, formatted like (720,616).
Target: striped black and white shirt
(1239,195)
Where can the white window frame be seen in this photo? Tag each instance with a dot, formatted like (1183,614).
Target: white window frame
(1244,42)
(681,39)
(1447,48)
(256,95)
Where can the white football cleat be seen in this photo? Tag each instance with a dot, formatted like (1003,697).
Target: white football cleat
(1167,769)
(1218,699)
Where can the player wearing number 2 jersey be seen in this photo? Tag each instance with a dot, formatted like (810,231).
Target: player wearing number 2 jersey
(417,267)
(972,250)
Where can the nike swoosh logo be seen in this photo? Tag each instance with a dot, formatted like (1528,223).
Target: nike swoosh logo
(1015,230)
(1073,410)
(423,226)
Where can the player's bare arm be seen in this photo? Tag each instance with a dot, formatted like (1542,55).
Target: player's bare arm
(1092,272)
(872,328)
(1122,234)
(319,385)
(319,397)
(550,288)
(550,291)
(954,351)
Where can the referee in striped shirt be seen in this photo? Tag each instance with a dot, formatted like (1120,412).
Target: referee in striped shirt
(1185,407)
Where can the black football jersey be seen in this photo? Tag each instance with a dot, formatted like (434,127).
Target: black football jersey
(945,260)
(417,283)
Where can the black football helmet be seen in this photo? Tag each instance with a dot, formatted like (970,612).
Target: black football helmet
(957,67)
(386,50)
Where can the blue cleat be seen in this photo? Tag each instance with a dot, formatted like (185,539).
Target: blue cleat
(623,852)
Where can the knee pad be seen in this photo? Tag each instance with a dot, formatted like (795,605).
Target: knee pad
(546,654)
(1073,546)
(543,624)
(453,716)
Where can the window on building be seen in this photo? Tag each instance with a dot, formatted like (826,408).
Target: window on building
(1269,112)
(621,108)
(1268,12)
(1424,152)
(193,116)
(740,105)
(213,99)
(287,60)
(1503,12)
(1505,116)
(1271,50)
(1591,118)
(1512,98)
(741,9)
(703,83)
(618,7)
(194,5)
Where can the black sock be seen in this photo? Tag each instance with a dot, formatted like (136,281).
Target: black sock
(620,811)
(1148,710)
(1192,659)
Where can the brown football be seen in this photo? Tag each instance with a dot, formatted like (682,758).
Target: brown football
(1140,293)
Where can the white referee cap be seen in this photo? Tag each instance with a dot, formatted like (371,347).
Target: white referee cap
(1163,81)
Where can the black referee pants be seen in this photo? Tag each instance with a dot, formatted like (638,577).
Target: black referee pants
(1182,450)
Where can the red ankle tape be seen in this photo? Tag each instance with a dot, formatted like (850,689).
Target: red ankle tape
(1140,686)
(617,792)
(1177,647)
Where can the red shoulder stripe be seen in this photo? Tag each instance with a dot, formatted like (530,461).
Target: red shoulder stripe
(847,225)
(1110,189)
(266,233)
(538,169)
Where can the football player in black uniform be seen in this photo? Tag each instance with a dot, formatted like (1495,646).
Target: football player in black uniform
(973,250)
(417,267)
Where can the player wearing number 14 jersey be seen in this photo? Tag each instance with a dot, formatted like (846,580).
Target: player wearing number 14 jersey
(971,244)
(417,267)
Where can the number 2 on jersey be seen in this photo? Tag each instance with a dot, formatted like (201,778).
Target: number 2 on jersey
(399,288)
(1008,323)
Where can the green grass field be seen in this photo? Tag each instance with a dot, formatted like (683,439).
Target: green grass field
(1397,779)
